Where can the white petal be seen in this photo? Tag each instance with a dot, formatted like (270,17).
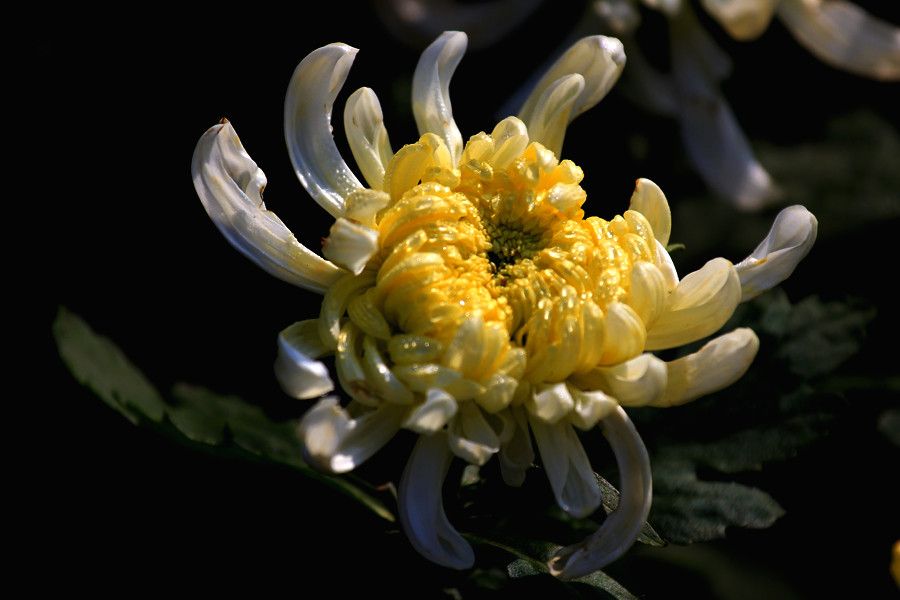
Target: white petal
(421,505)
(230,185)
(590,407)
(471,437)
(789,241)
(639,381)
(350,245)
(713,139)
(431,93)
(567,466)
(550,402)
(307,126)
(598,59)
(547,125)
(367,135)
(845,36)
(436,411)
(742,19)
(625,335)
(296,368)
(621,527)
(715,366)
(697,307)
(337,443)
(650,201)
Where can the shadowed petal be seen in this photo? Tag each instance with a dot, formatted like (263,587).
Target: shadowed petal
(421,505)
(307,126)
(230,186)
(622,526)
(845,36)
(567,466)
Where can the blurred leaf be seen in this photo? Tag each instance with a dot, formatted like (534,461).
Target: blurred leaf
(196,413)
(688,509)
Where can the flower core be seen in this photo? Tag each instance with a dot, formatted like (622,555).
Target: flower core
(488,273)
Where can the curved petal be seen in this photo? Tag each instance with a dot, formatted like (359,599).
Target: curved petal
(714,141)
(335,442)
(636,382)
(433,414)
(421,505)
(350,245)
(307,126)
(742,19)
(516,454)
(471,437)
(715,366)
(650,201)
(298,372)
(367,135)
(431,90)
(621,527)
(697,307)
(567,466)
(547,125)
(599,60)
(791,238)
(845,36)
(230,186)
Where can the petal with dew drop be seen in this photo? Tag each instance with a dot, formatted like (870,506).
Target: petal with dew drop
(350,245)
(718,364)
(845,36)
(335,442)
(421,505)
(698,306)
(621,527)
(431,90)
(792,236)
(567,466)
(307,126)
(367,135)
(298,372)
(598,59)
(230,186)
(650,201)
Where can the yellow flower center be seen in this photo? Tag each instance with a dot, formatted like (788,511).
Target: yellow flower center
(488,273)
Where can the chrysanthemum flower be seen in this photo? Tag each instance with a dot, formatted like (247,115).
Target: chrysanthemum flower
(468,299)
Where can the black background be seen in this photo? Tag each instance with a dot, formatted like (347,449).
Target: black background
(108,225)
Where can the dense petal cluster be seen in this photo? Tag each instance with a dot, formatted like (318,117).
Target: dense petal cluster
(467,298)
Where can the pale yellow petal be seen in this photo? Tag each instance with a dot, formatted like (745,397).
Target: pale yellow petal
(367,135)
(650,201)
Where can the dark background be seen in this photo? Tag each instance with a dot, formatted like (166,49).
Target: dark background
(113,106)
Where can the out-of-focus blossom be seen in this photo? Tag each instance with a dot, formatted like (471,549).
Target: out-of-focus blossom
(468,299)
(837,32)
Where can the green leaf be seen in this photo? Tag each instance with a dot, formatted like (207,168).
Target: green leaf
(97,363)
(688,509)
(198,414)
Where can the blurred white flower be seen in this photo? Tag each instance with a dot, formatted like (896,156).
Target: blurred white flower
(838,33)
(469,300)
